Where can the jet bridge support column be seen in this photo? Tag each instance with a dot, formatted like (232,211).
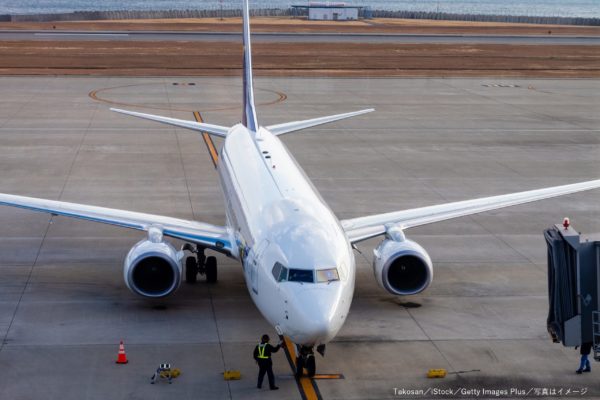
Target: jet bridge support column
(573,286)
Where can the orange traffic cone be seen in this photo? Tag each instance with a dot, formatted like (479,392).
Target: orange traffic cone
(122,357)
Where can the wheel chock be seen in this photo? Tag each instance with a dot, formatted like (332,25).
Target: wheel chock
(232,375)
(174,373)
(436,373)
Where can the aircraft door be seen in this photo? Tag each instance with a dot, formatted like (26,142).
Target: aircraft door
(255,263)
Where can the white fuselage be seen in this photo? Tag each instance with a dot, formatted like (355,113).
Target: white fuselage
(277,216)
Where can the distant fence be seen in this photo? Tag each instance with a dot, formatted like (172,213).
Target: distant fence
(283,12)
(125,14)
(485,18)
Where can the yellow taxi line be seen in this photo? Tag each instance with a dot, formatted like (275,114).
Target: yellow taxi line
(307,386)
(212,150)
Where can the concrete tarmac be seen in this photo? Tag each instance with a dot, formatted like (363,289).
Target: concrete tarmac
(64,306)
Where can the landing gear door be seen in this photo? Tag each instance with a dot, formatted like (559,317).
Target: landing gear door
(255,262)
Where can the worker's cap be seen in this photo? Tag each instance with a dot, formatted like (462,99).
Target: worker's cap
(265,338)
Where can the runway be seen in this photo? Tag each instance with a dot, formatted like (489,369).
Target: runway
(298,37)
(64,306)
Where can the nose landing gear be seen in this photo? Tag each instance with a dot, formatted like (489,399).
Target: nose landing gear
(198,263)
(306,360)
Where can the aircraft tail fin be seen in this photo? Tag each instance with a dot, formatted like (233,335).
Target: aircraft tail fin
(249,115)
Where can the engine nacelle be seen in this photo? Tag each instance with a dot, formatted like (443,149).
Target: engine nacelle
(401,266)
(153,268)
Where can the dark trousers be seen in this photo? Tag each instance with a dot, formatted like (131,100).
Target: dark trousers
(265,366)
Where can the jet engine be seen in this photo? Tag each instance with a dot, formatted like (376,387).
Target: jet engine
(401,266)
(153,268)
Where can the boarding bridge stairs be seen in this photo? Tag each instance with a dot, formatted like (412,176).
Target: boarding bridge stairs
(573,287)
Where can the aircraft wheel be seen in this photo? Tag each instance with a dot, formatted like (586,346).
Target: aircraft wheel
(191,269)
(211,269)
(299,367)
(311,366)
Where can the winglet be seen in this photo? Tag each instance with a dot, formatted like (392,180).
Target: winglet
(249,116)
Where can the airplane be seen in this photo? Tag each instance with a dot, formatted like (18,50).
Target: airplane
(297,257)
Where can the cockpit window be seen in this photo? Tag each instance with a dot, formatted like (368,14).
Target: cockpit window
(301,275)
(276,271)
(280,273)
(283,274)
(327,275)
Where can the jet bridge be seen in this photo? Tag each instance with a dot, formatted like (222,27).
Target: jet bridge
(573,287)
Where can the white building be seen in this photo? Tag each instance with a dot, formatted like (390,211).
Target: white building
(330,11)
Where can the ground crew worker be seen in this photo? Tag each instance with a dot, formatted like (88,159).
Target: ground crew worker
(262,355)
(584,364)
(162,371)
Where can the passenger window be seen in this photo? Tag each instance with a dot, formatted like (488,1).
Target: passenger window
(327,275)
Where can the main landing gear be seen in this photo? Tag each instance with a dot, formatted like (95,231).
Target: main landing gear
(305,360)
(198,263)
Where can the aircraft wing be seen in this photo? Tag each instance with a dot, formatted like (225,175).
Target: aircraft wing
(211,236)
(364,228)
(288,127)
(216,130)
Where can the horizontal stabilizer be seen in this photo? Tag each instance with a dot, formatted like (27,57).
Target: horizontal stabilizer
(181,123)
(298,125)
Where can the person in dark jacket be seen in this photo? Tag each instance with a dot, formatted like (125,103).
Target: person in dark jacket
(262,355)
(584,364)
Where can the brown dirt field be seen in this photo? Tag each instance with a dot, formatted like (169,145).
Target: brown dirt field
(295,59)
(281,24)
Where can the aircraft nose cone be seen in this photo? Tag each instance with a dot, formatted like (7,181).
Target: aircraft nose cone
(317,315)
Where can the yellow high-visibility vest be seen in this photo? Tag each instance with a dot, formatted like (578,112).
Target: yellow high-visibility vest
(261,351)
